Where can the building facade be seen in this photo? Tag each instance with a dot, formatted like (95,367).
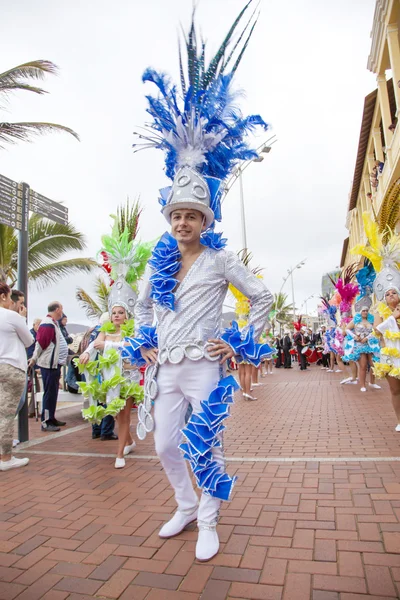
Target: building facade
(376,180)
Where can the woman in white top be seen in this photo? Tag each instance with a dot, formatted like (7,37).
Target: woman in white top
(14,338)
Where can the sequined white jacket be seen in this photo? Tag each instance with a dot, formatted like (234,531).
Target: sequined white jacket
(199,300)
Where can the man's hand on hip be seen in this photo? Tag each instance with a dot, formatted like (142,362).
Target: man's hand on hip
(221,348)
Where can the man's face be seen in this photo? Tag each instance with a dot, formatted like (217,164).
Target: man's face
(58,313)
(187,225)
(19,305)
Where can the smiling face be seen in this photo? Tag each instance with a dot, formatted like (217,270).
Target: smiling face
(118,315)
(392,298)
(187,225)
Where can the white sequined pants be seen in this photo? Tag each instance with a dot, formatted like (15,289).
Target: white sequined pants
(179,385)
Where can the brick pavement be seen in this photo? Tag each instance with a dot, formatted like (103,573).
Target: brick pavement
(73,528)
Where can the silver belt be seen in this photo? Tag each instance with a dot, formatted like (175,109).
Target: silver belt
(191,350)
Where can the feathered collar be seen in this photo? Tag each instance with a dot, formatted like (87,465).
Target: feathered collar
(166,263)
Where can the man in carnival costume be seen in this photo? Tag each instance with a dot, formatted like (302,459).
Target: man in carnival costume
(187,284)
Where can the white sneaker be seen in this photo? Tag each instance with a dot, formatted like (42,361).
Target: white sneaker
(375,386)
(256,384)
(397,428)
(363,390)
(13,463)
(119,463)
(177,524)
(329,370)
(129,449)
(353,382)
(15,443)
(207,543)
(347,380)
(338,370)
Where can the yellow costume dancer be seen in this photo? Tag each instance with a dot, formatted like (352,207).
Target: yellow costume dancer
(385,258)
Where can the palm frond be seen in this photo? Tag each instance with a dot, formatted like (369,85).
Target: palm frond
(8,252)
(102,289)
(12,132)
(34,69)
(52,273)
(48,240)
(7,88)
(91,308)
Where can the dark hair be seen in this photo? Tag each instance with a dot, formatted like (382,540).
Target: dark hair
(4,288)
(16,295)
(53,306)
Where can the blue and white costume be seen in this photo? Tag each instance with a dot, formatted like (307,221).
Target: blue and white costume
(354,349)
(203,136)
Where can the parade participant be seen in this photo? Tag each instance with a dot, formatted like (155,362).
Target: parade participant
(187,284)
(365,279)
(112,384)
(242,310)
(287,344)
(330,340)
(363,345)
(278,348)
(298,340)
(384,254)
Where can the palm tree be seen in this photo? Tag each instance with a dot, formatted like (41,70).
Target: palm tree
(48,242)
(17,78)
(281,312)
(127,217)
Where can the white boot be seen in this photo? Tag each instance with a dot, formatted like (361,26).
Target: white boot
(13,463)
(177,524)
(207,543)
(130,448)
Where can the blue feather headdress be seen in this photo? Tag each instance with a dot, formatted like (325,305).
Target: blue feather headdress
(201,127)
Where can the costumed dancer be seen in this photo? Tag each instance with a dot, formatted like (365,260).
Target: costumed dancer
(329,310)
(266,363)
(187,283)
(112,384)
(346,292)
(365,278)
(245,368)
(384,253)
(363,345)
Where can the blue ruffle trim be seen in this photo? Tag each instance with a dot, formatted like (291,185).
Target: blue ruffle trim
(202,433)
(213,240)
(165,262)
(244,345)
(353,350)
(147,338)
(358,318)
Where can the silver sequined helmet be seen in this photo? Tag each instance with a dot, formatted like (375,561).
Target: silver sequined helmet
(189,190)
(387,279)
(365,301)
(122,294)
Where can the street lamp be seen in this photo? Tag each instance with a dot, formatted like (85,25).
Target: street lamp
(290,274)
(305,302)
(265,148)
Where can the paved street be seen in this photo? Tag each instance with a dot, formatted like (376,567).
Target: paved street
(315,513)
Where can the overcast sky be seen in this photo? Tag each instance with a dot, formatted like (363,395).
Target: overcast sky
(304,72)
